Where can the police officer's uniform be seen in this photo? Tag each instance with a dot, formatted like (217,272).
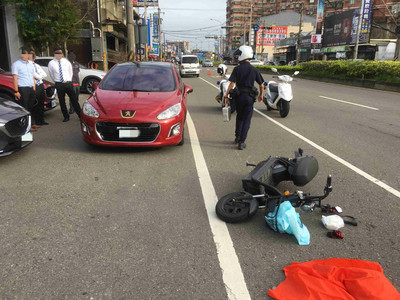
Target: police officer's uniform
(244,76)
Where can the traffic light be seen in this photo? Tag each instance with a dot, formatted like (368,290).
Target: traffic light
(236,38)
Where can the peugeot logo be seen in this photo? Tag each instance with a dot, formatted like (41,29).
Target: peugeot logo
(22,122)
(127,114)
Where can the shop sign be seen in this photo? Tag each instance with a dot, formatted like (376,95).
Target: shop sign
(270,36)
(335,49)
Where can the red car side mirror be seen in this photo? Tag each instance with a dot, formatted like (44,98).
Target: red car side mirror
(188,89)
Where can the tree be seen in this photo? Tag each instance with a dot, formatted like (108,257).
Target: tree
(46,22)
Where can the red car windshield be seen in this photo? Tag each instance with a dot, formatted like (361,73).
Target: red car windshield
(140,78)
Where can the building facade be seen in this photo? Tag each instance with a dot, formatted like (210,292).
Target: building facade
(177,48)
(243,15)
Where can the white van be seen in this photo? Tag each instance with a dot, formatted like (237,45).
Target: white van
(189,65)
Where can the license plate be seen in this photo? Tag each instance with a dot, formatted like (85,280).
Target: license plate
(132,133)
(27,137)
(53,103)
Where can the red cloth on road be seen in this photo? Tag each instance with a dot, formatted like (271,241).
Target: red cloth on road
(335,278)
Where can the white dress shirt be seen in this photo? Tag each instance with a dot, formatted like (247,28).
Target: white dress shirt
(39,73)
(54,70)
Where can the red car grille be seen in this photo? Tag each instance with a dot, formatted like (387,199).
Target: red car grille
(18,126)
(109,131)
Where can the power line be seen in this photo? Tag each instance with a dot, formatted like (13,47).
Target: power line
(195,29)
(191,9)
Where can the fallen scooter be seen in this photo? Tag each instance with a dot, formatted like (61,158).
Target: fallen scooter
(278,95)
(260,188)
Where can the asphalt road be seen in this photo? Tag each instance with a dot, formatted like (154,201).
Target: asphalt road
(79,222)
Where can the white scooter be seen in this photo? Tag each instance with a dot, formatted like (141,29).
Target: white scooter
(278,95)
(223,87)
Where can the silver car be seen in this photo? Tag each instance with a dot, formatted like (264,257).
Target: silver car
(207,63)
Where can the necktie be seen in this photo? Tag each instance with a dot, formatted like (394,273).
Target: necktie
(60,70)
(37,80)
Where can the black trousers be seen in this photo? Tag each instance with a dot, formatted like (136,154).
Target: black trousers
(244,112)
(38,113)
(67,88)
(28,97)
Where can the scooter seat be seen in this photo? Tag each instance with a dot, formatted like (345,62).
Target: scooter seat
(273,87)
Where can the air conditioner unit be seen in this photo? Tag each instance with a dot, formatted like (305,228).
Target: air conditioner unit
(291,5)
(297,5)
(283,6)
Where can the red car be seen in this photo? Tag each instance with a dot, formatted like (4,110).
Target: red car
(137,104)
(7,90)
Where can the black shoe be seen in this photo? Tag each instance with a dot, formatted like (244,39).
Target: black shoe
(236,140)
(71,111)
(66,120)
(241,146)
(42,123)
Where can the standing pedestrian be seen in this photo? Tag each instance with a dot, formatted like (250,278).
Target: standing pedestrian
(75,78)
(38,109)
(244,76)
(60,70)
(24,82)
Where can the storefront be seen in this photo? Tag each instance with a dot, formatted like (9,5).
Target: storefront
(285,51)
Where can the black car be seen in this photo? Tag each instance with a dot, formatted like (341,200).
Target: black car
(15,124)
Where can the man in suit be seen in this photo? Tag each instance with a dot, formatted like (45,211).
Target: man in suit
(60,70)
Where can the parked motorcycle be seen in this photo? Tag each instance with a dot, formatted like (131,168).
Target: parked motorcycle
(278,95)
(260,188)
(223,87)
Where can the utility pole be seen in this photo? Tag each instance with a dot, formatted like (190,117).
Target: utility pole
(358,30)
(160,54)
(131,32)
(145,20)
(299,35)
(251,18)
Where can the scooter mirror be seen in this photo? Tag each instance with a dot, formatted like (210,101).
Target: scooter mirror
(218,82)
(308,207)
(274,70)
(295,73)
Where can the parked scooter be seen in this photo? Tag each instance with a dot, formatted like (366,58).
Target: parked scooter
(260,188)
(278,95)
(223,87)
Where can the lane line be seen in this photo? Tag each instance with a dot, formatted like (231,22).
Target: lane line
(335,157)
(330,154)
(210,83)
(232,274)
(355,104)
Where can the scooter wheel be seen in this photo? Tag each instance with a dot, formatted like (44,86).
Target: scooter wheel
(231,210)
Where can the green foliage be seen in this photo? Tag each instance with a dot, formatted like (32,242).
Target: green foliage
(368,69)
(42,21)
(383,71)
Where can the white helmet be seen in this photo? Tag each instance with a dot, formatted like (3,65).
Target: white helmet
(221,70)
(244,52)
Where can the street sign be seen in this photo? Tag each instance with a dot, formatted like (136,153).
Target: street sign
(256,27)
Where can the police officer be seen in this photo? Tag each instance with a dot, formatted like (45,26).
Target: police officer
(244,77)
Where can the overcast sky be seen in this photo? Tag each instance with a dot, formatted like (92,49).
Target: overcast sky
(184,20)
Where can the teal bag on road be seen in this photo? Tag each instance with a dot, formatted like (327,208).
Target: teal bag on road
(285,219)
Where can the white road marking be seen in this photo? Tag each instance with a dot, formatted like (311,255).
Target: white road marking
(335,157)
(232,274)
(210,83)
(360,105)
(330,154)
